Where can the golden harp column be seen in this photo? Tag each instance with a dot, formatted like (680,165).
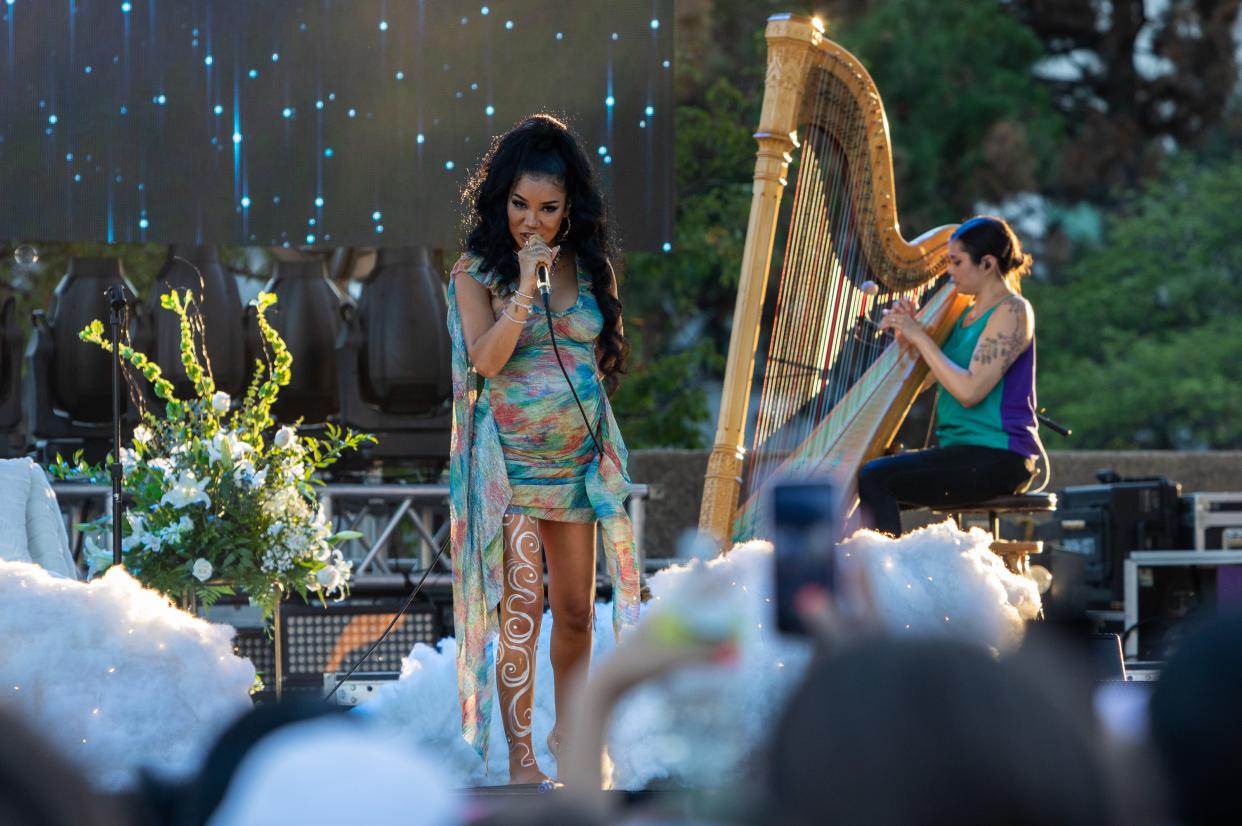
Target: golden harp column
(792,42)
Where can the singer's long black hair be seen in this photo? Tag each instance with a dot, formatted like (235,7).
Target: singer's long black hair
(543,147)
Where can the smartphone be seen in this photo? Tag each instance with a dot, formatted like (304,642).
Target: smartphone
(803,520)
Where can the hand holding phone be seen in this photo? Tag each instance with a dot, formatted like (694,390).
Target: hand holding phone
(803,519)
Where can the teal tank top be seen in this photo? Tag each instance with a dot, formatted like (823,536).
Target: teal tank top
(1005,419)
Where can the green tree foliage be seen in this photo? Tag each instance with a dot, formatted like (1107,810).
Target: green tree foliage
(1141,339)
(663,401)
(961,104)
(968,121)
(32,286)
(678,306)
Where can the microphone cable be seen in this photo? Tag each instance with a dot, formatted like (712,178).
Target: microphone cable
(545,291)
(393,624)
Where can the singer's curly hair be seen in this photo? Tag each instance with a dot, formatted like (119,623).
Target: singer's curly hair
(543,147)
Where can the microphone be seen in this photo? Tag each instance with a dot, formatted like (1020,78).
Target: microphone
(116,296)
(869,289)
(543,279)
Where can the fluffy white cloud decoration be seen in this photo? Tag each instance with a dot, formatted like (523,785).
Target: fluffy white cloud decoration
(113,674)
(700,725)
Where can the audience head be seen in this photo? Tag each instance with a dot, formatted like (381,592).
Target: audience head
(927,732)
(38,787)
(1196,723)
(192,803)
(335,769)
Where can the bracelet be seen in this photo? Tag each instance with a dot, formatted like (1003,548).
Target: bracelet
(514,300)
(505,313)
(524,295)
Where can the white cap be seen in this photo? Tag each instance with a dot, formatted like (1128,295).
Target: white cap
(336,771)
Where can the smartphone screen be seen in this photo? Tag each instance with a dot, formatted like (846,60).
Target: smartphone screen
(803,522)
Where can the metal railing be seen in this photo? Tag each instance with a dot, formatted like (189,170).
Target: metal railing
(384,553)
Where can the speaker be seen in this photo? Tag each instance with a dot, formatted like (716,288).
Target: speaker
(308,315)
(197,269)
(1104,523)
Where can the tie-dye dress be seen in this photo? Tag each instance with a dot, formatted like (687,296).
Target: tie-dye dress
(519,445)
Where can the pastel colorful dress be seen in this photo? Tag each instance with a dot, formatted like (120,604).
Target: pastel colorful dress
(519,444)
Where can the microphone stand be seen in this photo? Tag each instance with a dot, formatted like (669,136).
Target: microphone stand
(116,298)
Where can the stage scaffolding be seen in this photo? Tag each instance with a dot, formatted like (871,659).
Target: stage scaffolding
(402,525)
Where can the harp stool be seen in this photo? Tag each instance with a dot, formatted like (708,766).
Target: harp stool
(1017,554)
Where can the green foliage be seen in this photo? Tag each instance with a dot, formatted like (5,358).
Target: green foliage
(662,400)
(218,504)
(966,117)
(956,83)
(1139,340)
(660,407)
(139,262)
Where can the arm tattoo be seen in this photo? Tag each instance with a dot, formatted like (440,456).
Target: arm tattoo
(1005,346)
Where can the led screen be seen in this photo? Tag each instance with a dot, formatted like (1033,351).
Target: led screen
(335,122)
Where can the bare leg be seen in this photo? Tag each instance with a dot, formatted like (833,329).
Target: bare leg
(521,611)
(570,549)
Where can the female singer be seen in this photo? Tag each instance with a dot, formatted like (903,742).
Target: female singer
(987,431)
(536,458)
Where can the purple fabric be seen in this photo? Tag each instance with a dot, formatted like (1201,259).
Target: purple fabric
(1228,587)
(1017,407)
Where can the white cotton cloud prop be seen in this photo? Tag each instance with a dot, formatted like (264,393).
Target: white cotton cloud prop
(941,580)
(114,675)
(699,727)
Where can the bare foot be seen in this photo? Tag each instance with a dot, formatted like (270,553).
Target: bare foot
(555,743)
(526,774)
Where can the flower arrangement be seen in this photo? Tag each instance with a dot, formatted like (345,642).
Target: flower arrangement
(218,503)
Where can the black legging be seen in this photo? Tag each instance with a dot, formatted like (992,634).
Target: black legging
(938,477)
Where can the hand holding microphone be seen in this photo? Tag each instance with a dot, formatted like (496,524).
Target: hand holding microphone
(543,279)
(535,261)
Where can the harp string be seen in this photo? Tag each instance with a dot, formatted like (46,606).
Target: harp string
(823,336)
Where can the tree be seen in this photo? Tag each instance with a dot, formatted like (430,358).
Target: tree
(969,122)
(694,290)
(959,114)
(1139,342)
(1132,78)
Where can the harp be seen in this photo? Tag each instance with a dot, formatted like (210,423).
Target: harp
(833,390)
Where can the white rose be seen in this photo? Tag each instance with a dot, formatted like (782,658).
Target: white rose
(258,479)
(143,435)
(220,402)
(285,437)
(202,570)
